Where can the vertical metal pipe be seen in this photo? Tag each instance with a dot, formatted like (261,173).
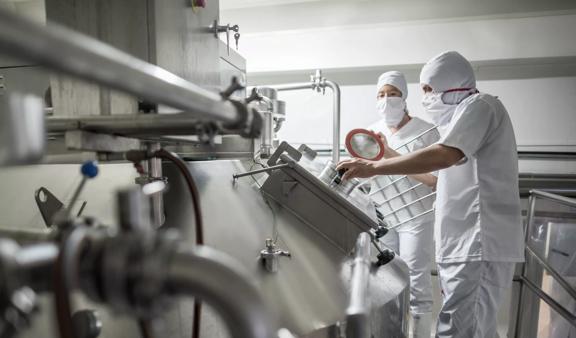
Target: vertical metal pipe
(335,120)
(336,109)
(157,200)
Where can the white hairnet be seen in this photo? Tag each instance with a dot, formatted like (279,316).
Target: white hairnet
(395,79)
(448,70)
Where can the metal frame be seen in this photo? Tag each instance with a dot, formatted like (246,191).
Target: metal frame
(526,302)
(400,194)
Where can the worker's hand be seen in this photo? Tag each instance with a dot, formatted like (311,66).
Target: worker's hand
(358,167)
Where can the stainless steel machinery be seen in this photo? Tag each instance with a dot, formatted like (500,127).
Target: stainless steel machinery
(286,251)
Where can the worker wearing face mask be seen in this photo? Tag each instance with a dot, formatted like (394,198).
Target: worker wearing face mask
(412,241)
(478,226)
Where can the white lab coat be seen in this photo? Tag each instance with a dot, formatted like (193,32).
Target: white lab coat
(478,229)
(477,204)
(413,241)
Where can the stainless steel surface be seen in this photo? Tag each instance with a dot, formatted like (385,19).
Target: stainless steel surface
(358,310)
(297,189)
(305,293)
(206,273)
(22,135)
(79,55)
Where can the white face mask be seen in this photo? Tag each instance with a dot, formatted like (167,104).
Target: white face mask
(392,110)
(440,112)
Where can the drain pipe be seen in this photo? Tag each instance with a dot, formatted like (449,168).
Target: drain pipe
(319,83)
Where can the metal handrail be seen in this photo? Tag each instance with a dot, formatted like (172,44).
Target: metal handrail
(571,202)
(560,309)
(550,301)
(561,280)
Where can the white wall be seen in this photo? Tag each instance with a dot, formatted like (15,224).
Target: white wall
(543,111)
(409,43)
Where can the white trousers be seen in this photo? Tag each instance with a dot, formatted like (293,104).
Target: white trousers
(471,297)
(414,244)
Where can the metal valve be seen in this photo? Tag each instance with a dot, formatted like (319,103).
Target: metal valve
(270,256)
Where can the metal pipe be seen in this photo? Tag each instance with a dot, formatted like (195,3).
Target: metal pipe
(84,57)
(335,119)
(129,125)
(336,102)
(358,310)
(214,277)
(294,86)
(157,200)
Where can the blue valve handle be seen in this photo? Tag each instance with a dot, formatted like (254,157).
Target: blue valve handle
(89,169)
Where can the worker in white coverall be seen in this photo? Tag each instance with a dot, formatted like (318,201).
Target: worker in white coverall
(413,240)
(478,226)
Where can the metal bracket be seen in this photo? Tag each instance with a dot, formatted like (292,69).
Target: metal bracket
(284,147)
(49,206)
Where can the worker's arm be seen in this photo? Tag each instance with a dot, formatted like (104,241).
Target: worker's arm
(428,179)
(426,160)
